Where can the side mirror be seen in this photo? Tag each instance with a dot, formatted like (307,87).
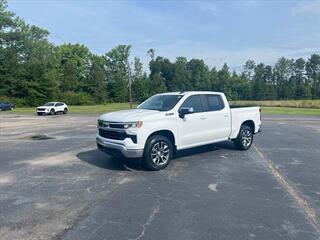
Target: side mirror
(184,111)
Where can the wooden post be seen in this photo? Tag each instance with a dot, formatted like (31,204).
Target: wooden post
(129,79)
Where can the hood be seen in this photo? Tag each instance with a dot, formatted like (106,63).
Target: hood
(128,115)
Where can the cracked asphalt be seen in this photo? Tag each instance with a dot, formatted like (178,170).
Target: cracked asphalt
(63,188)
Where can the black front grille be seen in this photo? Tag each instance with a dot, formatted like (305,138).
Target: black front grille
(41,109)
(116,135)
(116,125)
(111,124)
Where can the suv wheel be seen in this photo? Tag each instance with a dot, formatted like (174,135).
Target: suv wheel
(52,112)
(65,111)
(158,153)
(245,138)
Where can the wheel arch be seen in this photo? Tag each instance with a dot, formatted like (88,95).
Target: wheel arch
(249,123)
(166,133)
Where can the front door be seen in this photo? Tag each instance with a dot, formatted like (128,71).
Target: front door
(192,130)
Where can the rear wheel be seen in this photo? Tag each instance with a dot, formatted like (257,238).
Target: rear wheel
(244,138)
(65,111)
(158,153)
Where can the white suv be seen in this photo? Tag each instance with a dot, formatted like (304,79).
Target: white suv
(52,108)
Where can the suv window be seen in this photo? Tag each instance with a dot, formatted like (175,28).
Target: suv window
(59,104)
(215,102)
(194,102)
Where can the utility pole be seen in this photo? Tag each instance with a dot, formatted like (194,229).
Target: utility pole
(129,79)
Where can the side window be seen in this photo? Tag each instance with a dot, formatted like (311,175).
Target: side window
(215,103)
(58,104)
(194,102)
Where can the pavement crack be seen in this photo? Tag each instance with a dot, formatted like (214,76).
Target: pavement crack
(148,222)
(309,212)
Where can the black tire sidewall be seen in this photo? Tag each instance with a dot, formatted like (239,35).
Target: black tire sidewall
(238,141)
(65,111)
(52,112)
(147,161)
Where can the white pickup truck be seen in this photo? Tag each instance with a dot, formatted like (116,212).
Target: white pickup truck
(168,122)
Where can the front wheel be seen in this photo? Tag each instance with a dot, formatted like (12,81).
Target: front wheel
(245,138)
(52,112)
(158,153)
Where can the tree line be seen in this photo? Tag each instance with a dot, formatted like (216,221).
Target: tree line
(33,70)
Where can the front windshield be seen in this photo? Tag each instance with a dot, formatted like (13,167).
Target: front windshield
(49,104)
(161,102)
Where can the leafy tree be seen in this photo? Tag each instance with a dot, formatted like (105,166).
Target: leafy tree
(259,82)
(283,71)
(198,74)
(117,72)
(96,83)
(140,85)
(313,73)
(180,75)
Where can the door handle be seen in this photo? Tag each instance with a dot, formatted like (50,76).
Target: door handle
(203,117)
(226,115)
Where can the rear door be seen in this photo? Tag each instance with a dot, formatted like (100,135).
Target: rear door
(192,130)
(59,107)
(218,119)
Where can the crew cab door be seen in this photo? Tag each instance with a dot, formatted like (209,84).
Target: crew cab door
(192,128)
(218,121)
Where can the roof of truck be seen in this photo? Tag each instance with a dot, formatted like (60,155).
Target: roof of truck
(190,92)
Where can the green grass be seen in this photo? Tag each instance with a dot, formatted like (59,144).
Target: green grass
(281,103)
(290,111)
(268,107)
(110,107)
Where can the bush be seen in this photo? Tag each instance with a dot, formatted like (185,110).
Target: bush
(73,98)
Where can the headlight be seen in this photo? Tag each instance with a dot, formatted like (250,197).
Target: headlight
(137,124)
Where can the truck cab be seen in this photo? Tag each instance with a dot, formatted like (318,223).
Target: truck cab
(169,122)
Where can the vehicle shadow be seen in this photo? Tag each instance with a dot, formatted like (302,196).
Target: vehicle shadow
(228,145)
(102,160)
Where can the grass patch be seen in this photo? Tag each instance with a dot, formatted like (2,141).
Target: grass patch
(268,107)
(281,103)
(290,111)
(110,107)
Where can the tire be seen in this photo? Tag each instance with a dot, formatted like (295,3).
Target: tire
(52,112)
(245,138)
(65,111)
(158,153)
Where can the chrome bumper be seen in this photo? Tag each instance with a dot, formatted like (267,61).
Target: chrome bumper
(114,148)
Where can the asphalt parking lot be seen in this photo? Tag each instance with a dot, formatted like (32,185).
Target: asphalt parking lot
(54,184)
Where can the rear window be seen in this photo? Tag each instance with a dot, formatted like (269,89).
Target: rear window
(215,102)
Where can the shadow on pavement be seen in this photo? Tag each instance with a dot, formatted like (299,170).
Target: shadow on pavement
(206,148)
(102,160)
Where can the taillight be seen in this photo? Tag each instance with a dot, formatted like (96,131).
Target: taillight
(260,110)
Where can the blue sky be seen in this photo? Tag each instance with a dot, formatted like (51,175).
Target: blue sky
(216,31)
